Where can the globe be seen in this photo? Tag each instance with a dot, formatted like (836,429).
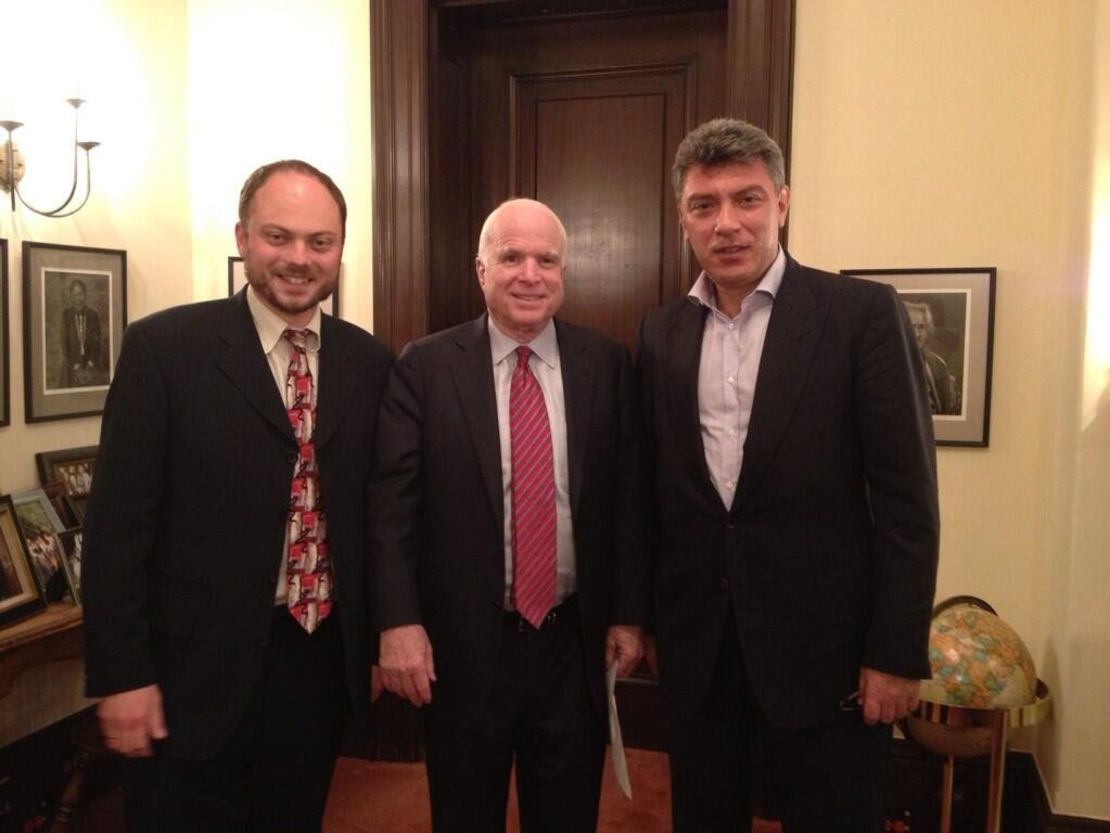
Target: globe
(979,664)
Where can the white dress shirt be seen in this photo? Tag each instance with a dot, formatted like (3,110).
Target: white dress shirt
(730,352)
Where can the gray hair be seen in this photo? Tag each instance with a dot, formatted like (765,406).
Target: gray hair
(726,142)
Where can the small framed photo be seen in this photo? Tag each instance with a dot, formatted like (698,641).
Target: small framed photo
(74,312)
(41,527)
(56,492)
(71,547)
(5,355)
(72,466)
(20,594)
(237,279)
(952,314)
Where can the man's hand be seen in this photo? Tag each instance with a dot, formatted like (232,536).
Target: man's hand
(130,720)
(405,657)
(884,697)
(624,644)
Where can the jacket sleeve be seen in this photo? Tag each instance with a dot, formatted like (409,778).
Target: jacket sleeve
(899,458)
(121,521)
(396,497)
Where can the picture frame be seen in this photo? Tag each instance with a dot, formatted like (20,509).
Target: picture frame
(20,593)
(61,502)
(237,279)
(41,527)
(74,313)
(952,312)
(5,353)
(72,549)
(72,466)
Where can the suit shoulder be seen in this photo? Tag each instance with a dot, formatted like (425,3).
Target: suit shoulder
(832,282)
(182,320)
(589,338)
(355,337)
(666,316)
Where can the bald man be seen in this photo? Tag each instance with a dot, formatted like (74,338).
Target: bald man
(509,572)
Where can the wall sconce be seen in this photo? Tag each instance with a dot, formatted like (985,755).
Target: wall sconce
(12,166)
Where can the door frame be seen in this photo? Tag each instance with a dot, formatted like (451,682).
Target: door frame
(760,60)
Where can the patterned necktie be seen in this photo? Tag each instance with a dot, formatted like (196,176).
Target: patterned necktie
(533,495)
(308,567)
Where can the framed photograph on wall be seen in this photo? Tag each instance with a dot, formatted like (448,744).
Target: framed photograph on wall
(5,355)
(20,594)
(41,527)
(952,313)
(74,312)
(237,279)
(72,466)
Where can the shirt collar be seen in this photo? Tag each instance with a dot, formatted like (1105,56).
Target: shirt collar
(270,325)
(702,291)
(545,345)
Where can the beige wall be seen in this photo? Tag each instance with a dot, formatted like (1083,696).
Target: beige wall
(925,134)
(948,134)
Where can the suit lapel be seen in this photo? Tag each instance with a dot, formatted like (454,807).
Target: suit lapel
(243,361)
(337,381)
(472,368)
(682,359)
(792,337)
(578,398)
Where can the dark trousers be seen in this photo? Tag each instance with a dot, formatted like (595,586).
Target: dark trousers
(827,779)
(274,772)
(540,712)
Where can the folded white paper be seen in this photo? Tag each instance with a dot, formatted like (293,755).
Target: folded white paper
(616,745)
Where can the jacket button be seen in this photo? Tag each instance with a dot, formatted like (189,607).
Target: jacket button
(724,583)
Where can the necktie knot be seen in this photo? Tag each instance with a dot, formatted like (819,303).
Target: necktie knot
(523,356)
(298,338)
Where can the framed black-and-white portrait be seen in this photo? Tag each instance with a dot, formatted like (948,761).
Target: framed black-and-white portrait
(20,593)
(952,315)
(74,312)
(237,279)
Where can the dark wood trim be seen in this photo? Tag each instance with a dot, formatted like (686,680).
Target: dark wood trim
(760,45)
(399,114)
(760,65)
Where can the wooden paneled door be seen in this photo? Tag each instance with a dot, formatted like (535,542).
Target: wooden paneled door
(578,104)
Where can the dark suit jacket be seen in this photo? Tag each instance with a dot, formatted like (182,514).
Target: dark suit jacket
(439,539)
(828,554)
(186,520)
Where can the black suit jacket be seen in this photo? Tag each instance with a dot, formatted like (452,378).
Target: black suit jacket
(186,520)
(828,553)
(439,537)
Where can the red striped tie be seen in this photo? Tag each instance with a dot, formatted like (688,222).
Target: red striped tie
(533,495)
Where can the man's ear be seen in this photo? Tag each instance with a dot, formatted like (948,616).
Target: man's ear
(241,239)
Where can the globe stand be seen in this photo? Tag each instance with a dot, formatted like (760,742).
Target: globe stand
(959,731)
